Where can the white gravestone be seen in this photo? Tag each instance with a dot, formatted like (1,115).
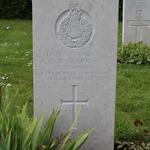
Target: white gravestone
(75,44)
(136,21)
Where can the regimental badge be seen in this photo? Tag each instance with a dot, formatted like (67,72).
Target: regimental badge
(75,28)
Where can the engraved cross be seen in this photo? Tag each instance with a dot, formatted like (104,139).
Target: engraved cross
(74,102)
(139,23)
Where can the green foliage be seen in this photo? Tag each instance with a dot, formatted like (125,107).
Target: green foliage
(133,90)
(134,53)
(119,35)
(16,9)
(20,132)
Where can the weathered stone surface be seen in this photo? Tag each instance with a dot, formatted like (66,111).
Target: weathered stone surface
(136,21)
(75,44)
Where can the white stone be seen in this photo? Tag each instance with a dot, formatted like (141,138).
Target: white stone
(75,44)
(136,21)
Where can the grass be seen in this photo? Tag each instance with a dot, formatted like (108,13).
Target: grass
(133,99)
(16,59)
(133,90)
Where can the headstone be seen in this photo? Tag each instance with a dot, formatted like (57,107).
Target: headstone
(136,21)
(75,44)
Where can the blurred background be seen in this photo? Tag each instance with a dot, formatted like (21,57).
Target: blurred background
(16,9)
(22,9)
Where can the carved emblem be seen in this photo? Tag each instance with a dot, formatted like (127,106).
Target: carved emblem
(74,28)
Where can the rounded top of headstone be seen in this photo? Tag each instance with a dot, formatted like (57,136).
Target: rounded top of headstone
(74,28)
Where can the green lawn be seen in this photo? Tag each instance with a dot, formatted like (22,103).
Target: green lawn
(133,99)
(16,59)
(133,83)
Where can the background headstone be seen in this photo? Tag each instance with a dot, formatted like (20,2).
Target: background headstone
(75,44)
(136,21)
